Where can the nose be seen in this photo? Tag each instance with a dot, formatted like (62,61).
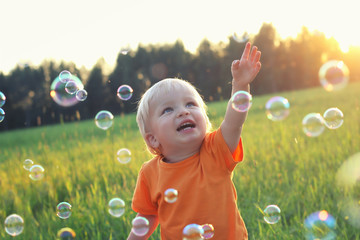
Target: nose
(183,112)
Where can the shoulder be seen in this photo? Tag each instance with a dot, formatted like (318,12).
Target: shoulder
(150,166)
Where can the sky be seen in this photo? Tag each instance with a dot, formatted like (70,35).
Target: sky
(83,31)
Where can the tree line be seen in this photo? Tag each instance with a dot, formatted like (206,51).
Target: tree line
(287,64)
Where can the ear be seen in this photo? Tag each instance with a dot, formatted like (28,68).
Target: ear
(151,140)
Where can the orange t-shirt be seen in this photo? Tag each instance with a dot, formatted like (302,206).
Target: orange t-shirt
(206,193)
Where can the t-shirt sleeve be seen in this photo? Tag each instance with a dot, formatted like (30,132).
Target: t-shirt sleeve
(221,149)
(141,202)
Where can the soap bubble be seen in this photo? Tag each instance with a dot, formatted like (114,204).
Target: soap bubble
(2,99)
(63,210)
(2,114)
(14,225)
(333,117)
(66,234)
(193,232)
(171,195)
(36,172)
(124,92)
(208,231)
(320,225)
(272,214)
(28,164)
(116,207)
(313,125)
(277,108)
(104,119)
(241,39)
(125,50)
(71,87)
(65,76)
(60,95)
(241,101)
(81,95)
(334,75)
(140,226)
(348,180)
(124,155)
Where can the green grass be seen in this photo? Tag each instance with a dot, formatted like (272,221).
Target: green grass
(282,166)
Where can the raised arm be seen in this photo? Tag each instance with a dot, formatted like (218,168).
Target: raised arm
(153,223)
(243,72)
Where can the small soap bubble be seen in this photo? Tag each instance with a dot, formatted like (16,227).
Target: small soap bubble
(334,75)
(104,119)
(81,95)
(208,231)
(171,195)
(65,76)
(124,92)
(14,225)
(348,180)
(71,87)
(116,207)
(2,99)
(193,232)
(125,50)
(320,225)
(241,101)
(140,226)
(241,39)
(36,172)
(66,234)
(124,155)
(277,108)
(63,210)
(2,115)
(313,125)
(334,118)
(272,214)
(28,163)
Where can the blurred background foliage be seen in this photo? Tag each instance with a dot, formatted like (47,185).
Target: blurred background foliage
(287,64)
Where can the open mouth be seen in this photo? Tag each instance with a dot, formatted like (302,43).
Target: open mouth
(185,126)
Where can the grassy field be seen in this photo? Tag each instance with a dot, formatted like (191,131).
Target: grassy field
(282,166)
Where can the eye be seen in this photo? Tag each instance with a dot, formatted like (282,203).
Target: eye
(191,104)
(166,110)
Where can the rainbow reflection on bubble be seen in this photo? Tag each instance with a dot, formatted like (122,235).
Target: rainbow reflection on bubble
(14,225)
(193,231)
(170,195)
(116,207)
(66,234)
(59,93)
(272,214)
(63,210)
(277,108)
(320,225)
(2,99)
(140,226)
(241,101)
(334,118)
(334,75)
(313,124)
(209,231)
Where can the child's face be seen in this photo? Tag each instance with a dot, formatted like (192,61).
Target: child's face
(177,122)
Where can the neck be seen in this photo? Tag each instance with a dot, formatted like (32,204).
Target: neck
(178,156)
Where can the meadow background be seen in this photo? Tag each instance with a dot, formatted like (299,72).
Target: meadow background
(282,166)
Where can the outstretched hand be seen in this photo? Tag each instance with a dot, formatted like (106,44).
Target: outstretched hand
(245,70)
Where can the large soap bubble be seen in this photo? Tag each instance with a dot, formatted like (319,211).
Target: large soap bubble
(59,92)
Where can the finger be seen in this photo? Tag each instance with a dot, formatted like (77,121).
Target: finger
(257,57)
(253,53)
(246,51)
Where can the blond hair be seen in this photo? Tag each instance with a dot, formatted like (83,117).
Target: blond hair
(159,88)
